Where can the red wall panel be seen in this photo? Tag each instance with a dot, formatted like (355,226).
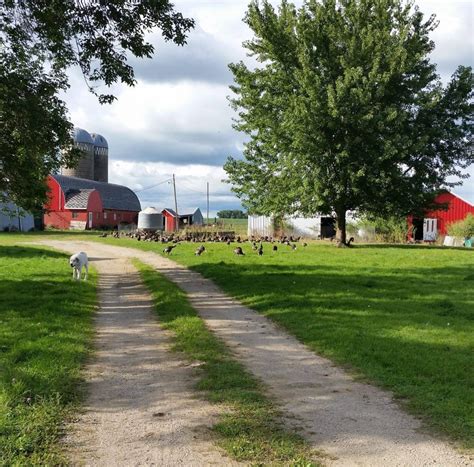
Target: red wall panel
(457,211)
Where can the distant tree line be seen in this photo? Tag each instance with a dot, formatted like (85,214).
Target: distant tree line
(232,214)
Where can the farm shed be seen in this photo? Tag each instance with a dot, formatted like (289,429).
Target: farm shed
(309,227)
(169,220)
(435,222)
(193,217)
(12,218)
(77,203)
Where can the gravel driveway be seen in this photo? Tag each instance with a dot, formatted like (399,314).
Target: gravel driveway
(355,424)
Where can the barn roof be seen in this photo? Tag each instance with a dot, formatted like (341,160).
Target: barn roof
(77,199)
(113,196)
(189,212)
(170,211)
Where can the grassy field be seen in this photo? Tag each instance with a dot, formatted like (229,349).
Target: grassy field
(402,317)
(239,226)
(45,336)
(251,430)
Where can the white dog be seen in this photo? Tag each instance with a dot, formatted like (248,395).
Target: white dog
(77,262)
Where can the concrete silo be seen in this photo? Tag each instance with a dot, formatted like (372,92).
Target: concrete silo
(101,158)
(150,219)
(85,166)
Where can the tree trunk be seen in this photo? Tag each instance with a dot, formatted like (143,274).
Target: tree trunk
(341,227)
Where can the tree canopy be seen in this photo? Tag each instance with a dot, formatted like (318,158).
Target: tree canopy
(345,111)
(39,41)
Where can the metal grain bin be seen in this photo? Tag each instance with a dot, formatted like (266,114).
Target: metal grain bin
(150,219)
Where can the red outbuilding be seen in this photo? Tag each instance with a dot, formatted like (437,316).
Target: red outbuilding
(435,222)
(79,203)
(169,220)
(192,217)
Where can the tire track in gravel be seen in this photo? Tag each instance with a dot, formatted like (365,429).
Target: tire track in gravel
(140,408)
(356,424)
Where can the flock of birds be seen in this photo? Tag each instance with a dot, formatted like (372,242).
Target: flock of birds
(203,237)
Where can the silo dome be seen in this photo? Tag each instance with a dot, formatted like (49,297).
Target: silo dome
(150,219)
(99,141)
(85,166)
(101,158)
(82,136)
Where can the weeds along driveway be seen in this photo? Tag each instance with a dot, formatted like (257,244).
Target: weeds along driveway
(355,423)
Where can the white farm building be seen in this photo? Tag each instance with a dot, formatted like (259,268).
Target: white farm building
(309,227)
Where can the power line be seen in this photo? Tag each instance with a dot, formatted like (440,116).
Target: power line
(152,186)
(192,189)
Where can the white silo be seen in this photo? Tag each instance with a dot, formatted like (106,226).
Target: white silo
(150,219)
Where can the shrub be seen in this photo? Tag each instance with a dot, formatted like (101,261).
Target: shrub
(387,230)
(462,229)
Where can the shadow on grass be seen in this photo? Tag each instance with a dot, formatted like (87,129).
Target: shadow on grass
(45,333)
(383,246)
(20,252)
(409,330)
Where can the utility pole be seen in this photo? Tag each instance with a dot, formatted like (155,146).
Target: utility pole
(207,221)
(176,226)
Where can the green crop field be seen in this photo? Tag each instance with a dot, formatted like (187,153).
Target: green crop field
(399,316)
(45,336)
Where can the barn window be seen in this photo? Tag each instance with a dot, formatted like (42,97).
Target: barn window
(74,214)
(105,215)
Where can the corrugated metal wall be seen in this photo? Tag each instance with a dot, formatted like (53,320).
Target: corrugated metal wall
(304,227)
(260,226)
(458,210)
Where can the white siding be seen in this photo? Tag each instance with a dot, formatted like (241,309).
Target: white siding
(304,226)
(260,226)
(9,218)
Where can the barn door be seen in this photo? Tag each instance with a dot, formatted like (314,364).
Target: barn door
(430,230)
(90,220)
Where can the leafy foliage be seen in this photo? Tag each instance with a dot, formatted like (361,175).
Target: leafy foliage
(39,41)
(345,111)
(390,229)
(462,229)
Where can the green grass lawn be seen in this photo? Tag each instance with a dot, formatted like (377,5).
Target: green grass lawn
(402,317)
(45,336)
(251,430)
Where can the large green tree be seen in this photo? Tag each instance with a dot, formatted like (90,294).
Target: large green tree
(344,111)
(39,41)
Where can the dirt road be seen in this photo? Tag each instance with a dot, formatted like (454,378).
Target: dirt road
(356,424)
(141,408)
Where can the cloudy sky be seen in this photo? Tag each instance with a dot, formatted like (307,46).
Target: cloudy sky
(177,118)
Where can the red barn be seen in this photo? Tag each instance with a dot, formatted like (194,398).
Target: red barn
(436,222)
(88,204)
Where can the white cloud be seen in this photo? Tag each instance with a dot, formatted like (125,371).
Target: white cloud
(177,119)
(152,183)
